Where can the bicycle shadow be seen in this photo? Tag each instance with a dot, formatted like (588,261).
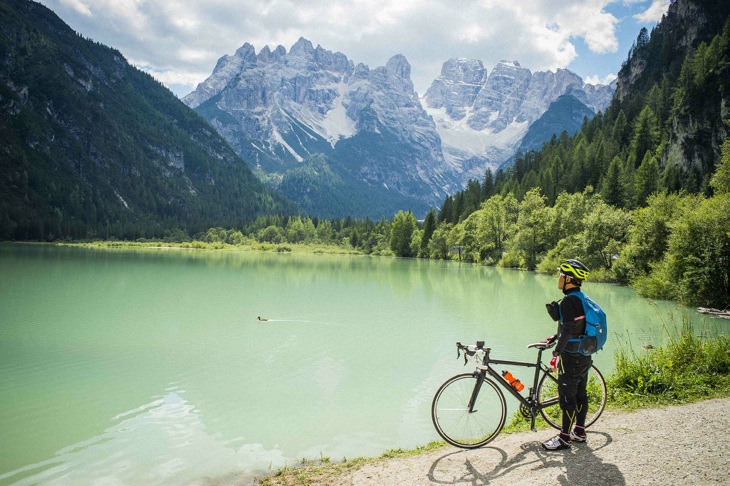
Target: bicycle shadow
(580,465)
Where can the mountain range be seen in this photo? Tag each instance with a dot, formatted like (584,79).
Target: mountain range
(342,139)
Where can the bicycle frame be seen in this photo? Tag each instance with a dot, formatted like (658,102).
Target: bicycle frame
(529,402)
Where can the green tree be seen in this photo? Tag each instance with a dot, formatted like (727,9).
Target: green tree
(647,179)
(429,226)
(604,235)
(695,269)
(325,232)
(438,247)
(404,223)
(568,215)
(720,181)
(648,237)
(530,240)
(498,218)
(271,234)
(646,136)
(611,189)
(488,185)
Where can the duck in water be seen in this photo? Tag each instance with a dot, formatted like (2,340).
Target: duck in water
(262,318)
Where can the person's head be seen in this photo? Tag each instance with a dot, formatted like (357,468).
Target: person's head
(571,274)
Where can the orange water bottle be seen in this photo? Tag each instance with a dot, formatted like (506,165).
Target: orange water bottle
(516,384)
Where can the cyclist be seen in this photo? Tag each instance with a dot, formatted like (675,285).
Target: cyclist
(572,367)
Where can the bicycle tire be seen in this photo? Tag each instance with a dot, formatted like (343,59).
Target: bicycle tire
(547,391)
(453,421)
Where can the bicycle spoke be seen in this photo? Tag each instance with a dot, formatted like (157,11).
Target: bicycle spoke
(453,420)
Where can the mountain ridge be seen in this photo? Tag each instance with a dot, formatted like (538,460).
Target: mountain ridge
(279,108)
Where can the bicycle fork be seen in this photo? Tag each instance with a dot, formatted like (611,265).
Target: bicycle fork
(475,392)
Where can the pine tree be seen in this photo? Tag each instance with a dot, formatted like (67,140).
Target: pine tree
(647,179)
(487,185)
(611,184)
(646,136)
(446,213)
(429,226)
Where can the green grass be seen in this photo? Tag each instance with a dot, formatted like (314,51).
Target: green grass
(320,471)
(689,367)
(250,245)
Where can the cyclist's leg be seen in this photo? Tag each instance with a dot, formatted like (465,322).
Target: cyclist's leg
(572,384)
(567,391)
(581,399)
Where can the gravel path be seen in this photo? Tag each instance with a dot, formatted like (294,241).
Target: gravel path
(684,444)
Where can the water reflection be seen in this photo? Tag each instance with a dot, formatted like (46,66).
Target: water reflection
(161,442)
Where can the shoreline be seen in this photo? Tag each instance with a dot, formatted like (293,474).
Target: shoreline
(616,453)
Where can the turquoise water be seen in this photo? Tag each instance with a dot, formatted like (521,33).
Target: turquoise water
(151,366)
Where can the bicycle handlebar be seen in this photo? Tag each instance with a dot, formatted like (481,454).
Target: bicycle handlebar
(472,349)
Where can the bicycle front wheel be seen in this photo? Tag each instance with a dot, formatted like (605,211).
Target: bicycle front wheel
(453,420)
(547,398)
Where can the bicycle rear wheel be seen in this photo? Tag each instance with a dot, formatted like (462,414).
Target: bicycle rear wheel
(451,416)
(547,393)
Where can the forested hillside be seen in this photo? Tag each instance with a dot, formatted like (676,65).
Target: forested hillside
(93,147)
(633,193)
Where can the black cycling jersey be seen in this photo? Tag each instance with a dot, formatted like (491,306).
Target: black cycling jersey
(573,323)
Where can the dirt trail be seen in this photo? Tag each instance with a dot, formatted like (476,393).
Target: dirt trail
(684,444)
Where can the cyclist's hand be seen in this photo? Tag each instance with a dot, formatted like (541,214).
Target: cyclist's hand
(550,339)
(554,363)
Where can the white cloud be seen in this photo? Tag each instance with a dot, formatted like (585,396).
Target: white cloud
(78,6)
(187,38)
(654,12)
(595,79)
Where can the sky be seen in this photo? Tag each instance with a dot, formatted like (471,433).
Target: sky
(180,41)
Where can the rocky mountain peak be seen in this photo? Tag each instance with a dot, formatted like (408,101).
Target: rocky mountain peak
(399,66)
(302,48)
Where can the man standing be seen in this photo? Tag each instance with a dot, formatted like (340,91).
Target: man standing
(572,367)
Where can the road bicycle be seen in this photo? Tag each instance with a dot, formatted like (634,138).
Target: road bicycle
(469,409)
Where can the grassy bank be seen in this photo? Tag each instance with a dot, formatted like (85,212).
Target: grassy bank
(689,367)
(219,246)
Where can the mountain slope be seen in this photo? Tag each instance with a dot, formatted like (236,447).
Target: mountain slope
(94,147)
(565,114)
(672,59)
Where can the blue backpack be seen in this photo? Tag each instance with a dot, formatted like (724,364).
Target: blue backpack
(596,331)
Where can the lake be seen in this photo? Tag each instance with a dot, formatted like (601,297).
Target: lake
(151,367)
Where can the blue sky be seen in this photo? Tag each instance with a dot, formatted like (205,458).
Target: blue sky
(180,41)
